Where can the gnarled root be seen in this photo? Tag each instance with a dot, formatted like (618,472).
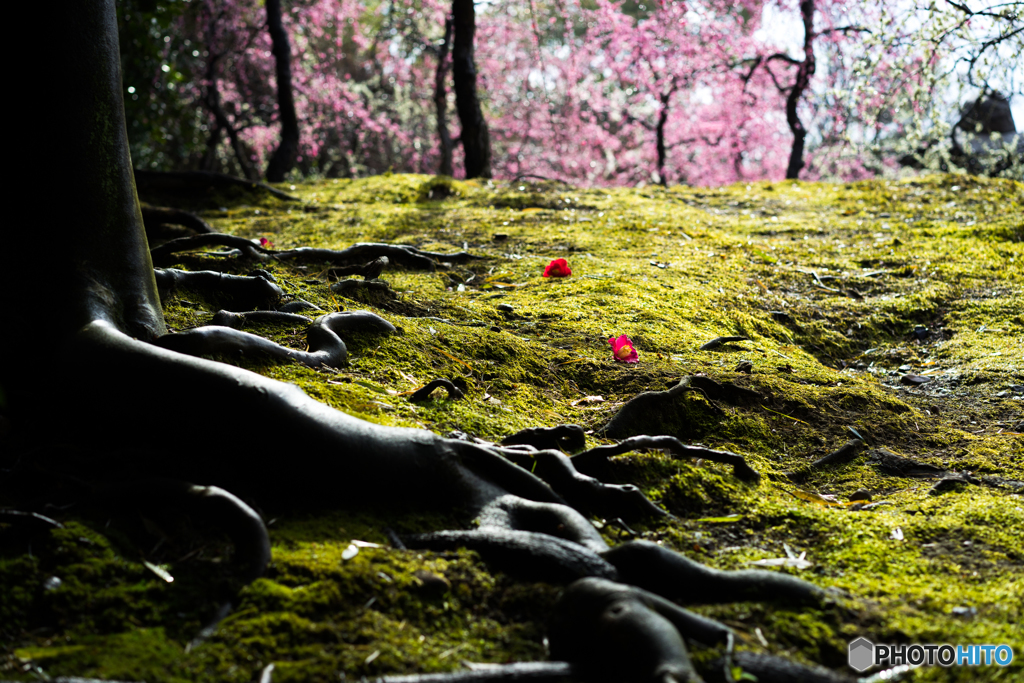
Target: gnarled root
(423,393)
(404,255)
(636,416)
(587,494)
(240,291)
(525,554)
(562,437)
(368,271)
(675,576)
(209,503)
(844,454)
(349,287)
(594,460)
(325,345)
(164,254)
(366,256)
(157,218)
(611,631)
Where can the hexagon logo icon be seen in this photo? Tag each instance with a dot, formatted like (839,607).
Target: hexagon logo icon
(862,654)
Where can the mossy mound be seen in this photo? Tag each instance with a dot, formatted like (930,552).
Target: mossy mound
(889,311)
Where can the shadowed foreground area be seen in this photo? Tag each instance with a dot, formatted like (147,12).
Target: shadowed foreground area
(879,322)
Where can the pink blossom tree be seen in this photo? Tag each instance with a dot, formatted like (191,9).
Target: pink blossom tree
(588,91)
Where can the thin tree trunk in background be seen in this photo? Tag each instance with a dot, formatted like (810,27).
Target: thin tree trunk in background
(441,100)
(476,139)
(283,158)
(660,135)
(803,79)
(222,122)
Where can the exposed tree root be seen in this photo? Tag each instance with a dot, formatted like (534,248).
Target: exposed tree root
(887,462)
(562,437)
(349,288)
(844,454)
(208,503)
(594,460)
(155,217)
(241,291)
(423,393)
(674,576)
(524,554)
(401,254)
(718,341)
(298,305)
(164,254)
(635,417)
(588,494)
(618,632)
(368,271)
(325,345)
(728,391)
(366,256)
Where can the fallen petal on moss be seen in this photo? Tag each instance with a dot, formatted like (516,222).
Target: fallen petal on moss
(558,268)
(623,349)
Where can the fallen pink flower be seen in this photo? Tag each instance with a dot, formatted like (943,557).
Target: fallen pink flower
(265,243)
(558,268)
(623,350)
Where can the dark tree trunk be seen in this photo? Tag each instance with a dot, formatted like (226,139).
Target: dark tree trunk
(660,135)
(476,140)
(803,78)
(283,159)
(441,100)
(93,226)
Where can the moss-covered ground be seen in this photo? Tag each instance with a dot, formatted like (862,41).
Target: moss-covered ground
(842,291)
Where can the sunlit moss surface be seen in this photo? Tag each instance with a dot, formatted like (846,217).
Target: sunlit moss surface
(842,291)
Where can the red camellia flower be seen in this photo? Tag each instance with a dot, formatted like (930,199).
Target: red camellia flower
(623,350)
(558,268)
(265,243)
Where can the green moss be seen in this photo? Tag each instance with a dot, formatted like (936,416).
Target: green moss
(840,290)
